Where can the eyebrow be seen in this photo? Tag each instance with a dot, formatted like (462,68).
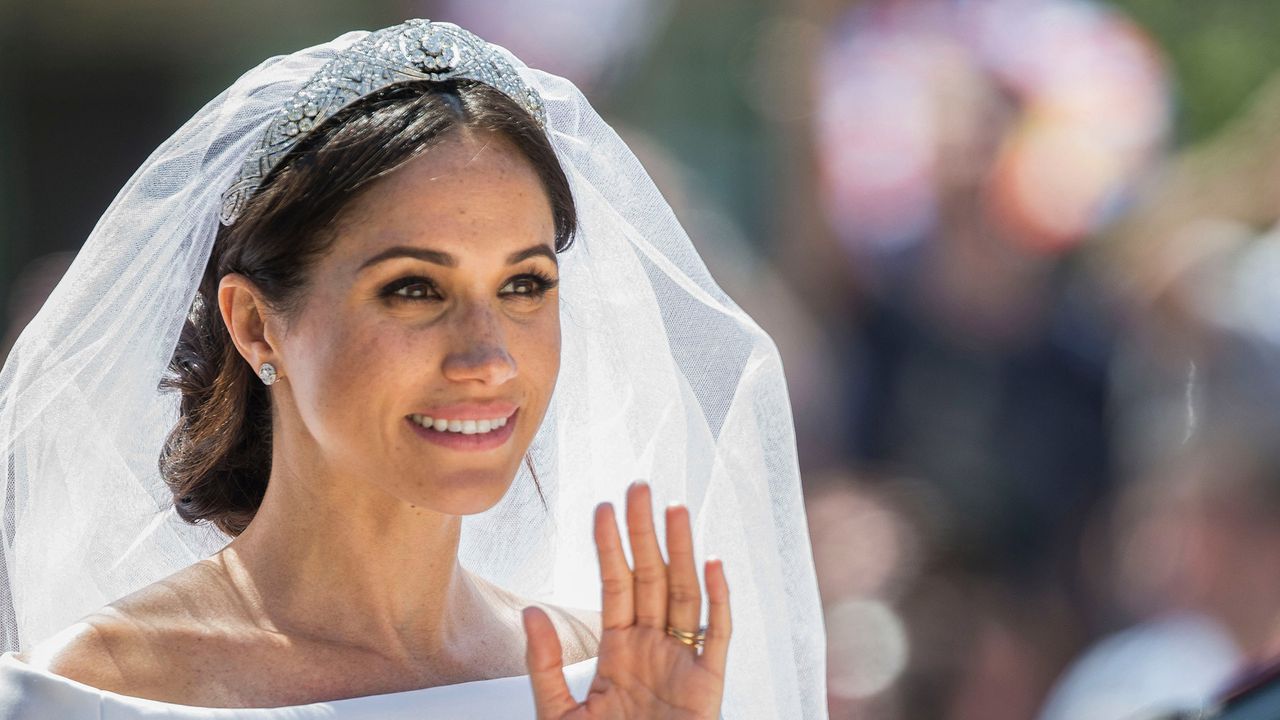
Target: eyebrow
(436,257)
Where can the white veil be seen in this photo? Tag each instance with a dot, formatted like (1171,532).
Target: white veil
(663,378)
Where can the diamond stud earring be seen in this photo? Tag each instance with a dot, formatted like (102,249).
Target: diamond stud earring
(267,373)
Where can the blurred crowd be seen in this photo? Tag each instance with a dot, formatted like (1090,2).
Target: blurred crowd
(1024,287)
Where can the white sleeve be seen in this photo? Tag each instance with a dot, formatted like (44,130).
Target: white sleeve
(25,696)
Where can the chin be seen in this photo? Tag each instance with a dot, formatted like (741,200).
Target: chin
(465,492)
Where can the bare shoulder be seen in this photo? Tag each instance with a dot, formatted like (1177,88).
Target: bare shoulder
(579,630)
(100,650)
(128,646)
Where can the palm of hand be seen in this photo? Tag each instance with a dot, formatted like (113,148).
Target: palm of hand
(642,671)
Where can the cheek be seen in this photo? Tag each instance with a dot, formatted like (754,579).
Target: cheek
(540,369)
(537,349)
(350,367)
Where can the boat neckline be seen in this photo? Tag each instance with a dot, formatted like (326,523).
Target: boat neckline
(11,658)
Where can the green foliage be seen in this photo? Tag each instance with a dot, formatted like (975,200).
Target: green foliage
(1221,52)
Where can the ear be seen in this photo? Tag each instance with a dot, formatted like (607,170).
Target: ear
(250,321)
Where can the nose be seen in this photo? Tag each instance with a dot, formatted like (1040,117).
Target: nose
(479,351)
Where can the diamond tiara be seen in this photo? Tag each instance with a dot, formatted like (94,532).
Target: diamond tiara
(414,50)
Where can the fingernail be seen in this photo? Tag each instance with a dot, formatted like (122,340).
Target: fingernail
(674,504)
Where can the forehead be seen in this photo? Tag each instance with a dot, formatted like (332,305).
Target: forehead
(471,194)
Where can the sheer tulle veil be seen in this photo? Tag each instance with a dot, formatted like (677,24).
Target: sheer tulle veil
(663,377)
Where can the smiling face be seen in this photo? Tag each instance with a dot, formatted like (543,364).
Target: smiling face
(436,305)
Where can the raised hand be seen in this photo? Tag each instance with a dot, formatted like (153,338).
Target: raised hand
(643,670)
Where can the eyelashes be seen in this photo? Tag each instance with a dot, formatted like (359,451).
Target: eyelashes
(529,285)
(410,288)
(532,284)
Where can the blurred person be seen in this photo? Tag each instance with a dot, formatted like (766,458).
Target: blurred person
(967,152)
(360,250)
(1200,555)
(967,149)
(1196,533)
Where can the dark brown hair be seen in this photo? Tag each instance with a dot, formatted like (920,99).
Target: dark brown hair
(217,459)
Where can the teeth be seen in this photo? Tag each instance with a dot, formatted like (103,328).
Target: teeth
(466,427)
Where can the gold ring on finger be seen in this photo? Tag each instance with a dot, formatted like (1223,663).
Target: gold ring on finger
(693,639)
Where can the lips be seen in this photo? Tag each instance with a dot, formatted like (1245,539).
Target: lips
(462,440)
(488,410)
(466,427)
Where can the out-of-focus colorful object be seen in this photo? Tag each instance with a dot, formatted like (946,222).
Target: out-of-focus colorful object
(1046,112)
(586,41)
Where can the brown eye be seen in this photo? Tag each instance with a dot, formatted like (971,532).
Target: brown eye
(414,291)
(521,287)
(411,288)
(528,285)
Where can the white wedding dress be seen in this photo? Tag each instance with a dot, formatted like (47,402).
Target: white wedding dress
(27,693)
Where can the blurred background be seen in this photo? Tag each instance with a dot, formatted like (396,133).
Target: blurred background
(1020,258)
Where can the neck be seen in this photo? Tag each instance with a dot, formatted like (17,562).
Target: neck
(338,560)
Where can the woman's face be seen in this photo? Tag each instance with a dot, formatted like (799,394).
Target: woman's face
(437,305)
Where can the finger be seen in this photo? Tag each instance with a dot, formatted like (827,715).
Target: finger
(618,601)
(651,570)
(551,696)
(715,649)
(684,596)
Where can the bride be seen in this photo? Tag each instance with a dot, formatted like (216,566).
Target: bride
(404,321)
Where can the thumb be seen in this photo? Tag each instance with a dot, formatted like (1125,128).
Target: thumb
(551,695)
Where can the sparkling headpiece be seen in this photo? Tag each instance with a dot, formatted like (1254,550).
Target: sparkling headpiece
(413,50)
